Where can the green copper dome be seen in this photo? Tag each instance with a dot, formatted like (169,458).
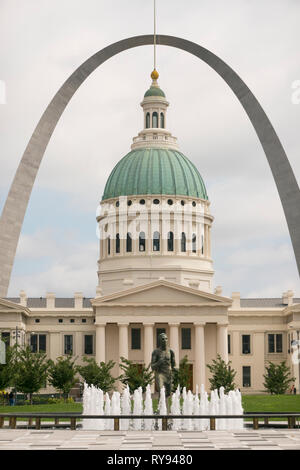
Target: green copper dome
(154,91)
(155,171)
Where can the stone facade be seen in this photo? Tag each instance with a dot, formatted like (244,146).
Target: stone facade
(197,323)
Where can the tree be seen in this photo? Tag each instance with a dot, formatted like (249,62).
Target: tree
(182,375)
(277,378)
(30,370)
(98,375)
(135,375)
(62,374)
(222,374)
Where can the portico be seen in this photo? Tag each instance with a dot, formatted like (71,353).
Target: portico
(195,322)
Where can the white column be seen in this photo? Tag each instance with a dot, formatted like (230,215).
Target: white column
(148,345)
(222,341)
(123,340)
(199,375)
(100,343)
(148,342)
(174,340)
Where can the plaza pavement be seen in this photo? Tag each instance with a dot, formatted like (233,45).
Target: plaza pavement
(65,439)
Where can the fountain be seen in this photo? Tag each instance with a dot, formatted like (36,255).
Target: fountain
(121,404)
(148,410)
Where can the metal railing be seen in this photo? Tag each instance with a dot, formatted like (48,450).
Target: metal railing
(73,418)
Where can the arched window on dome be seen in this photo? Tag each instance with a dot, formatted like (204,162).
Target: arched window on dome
(108,245)
(162,120)
(156,241)
(128,243)
(194,243)
(142,241)
(118,243)
(155,119)
(147,120)
(183,242)
(170,241)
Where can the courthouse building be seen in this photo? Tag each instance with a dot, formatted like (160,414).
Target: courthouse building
(155,274)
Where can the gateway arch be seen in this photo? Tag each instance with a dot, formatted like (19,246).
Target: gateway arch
(17,200)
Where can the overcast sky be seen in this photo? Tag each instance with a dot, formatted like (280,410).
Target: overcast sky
(43,41)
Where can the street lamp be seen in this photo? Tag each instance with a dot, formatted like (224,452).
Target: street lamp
(16,334)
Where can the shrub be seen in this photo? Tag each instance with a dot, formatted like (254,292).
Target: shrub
(277,378)
(98,375)
(135,375)
(222,374)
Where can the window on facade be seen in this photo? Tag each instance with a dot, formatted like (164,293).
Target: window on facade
(118,243)
(128,243)
(156,241)
(162,120)
(194,243)
(60,320)
(246,344)
(88,344)
(155,119)
(158,332)
(108,245)
(135,338)
(83,320)
(142,241)
(202,244)
(5,336)
(147,120)
(68,344)
(170,241)
(183,242)
(34,343)
(38,343)
(42,343)
(229,343)
(246,376)
(275,343)
(186,338)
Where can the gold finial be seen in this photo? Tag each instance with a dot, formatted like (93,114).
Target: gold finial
(154,74)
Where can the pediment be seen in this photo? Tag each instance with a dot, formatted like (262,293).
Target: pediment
(7,306)
(162,292)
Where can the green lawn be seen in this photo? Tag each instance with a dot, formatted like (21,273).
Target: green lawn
(265,403)
(53,408)
(251,403)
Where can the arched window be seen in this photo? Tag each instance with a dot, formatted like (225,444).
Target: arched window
(117,243)
(128,243)
(156,241)
(108,245)
(183,242)
(194,243)
(162,120)
(155,119)
(170,241)
(147,120)
(142,241)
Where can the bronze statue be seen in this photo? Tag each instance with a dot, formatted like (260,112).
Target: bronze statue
(163,364)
